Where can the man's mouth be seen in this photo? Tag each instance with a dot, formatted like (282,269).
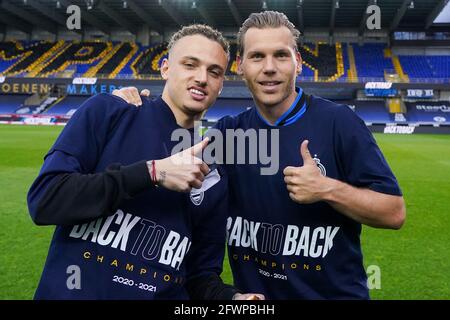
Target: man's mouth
(269,85)
(197,94)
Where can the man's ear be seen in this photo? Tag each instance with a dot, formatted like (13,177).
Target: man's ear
(165,69)
(298,57)
(239,65)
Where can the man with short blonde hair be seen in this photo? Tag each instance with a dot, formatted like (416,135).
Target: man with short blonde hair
(117,235)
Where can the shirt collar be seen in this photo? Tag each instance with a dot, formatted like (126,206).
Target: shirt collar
(295,111)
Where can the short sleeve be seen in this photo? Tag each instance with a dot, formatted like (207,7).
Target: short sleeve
(360,160)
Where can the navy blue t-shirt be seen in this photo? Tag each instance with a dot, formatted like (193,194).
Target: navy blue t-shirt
(287,250)
(155,240)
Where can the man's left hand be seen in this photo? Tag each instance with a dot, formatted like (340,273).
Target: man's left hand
(306,184)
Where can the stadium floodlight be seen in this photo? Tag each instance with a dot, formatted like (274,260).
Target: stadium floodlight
(411,5)
(336,4)
(89,4)
(300,2)
(264,5)
(124,4)
(58,5)
(194,5)
(25,2)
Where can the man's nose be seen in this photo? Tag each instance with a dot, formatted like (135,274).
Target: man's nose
(269,65)
(201,76)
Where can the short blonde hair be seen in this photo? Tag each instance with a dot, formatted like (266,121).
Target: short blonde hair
(203,30)
(266,19)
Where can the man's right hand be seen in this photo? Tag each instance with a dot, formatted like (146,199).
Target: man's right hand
(182,171)
(131,95)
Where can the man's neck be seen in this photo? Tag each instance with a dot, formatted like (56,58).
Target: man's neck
(271,113)
(183,119)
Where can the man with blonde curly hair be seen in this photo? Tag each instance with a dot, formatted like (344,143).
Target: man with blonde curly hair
(133,222)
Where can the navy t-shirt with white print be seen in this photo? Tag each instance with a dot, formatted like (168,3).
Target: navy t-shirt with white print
(287,250)
(155,240)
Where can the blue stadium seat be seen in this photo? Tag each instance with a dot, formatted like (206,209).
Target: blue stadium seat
(10,103)
(370,61)
(66,106)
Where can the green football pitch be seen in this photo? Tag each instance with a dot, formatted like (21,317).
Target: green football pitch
(414,262)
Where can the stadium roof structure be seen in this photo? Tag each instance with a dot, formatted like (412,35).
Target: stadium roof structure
(167,15)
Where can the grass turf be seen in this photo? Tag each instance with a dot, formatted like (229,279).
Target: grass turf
(414,261)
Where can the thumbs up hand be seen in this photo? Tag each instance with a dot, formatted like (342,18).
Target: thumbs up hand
(182,171)
(305,184)
(306,155)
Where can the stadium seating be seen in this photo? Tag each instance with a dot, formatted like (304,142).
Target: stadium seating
(66,106)
(7,56)
(428,112)
(346,64)
(148,62)
(26,56)
(227,107)
(10,103)
(325,60)
(370,60)
(373,111)
(426,66)
(321,61)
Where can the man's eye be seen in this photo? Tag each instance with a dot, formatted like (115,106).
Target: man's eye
(215,73)
(189,65)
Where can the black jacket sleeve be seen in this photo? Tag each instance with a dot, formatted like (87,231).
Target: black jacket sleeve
(70,197)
